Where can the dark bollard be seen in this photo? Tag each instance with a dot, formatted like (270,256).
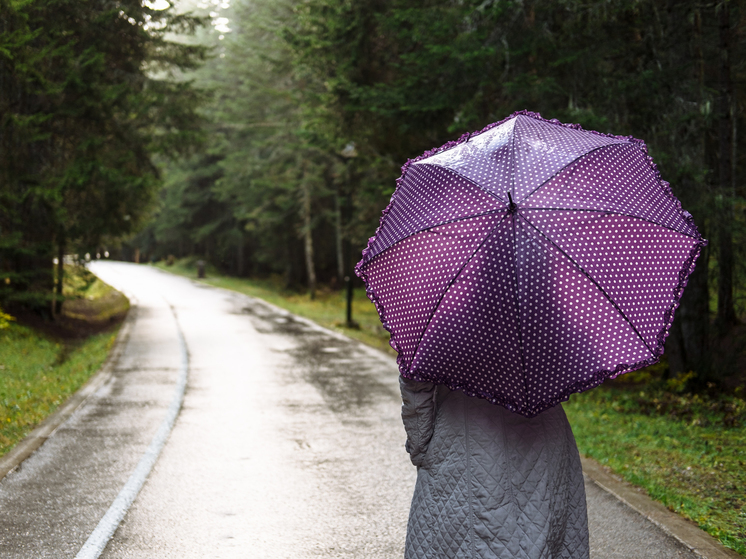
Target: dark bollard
(350,323)
(348,285)
(200,269)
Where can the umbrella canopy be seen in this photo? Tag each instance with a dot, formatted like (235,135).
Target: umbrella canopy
(529,261)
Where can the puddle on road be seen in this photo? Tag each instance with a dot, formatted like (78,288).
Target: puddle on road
(346,377)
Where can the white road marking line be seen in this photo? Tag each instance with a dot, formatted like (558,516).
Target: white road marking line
(97,541)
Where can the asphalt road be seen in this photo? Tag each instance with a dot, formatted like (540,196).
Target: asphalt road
(289,444)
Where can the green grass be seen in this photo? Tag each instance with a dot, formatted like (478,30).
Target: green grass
(327,309)
(695,463)
(688,453)
(37,375)
(37,372)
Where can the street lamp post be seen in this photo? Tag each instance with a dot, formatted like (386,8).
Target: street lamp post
(348,154)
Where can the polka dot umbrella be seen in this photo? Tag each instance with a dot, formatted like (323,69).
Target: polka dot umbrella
(529,261)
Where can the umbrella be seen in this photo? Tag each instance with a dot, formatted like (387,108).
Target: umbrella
(529,261)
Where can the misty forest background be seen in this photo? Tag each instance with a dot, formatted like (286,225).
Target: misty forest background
(265,136)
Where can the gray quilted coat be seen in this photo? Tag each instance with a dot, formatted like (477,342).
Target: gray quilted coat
(491,483)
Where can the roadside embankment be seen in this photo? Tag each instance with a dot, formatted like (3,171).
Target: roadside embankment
(44,362)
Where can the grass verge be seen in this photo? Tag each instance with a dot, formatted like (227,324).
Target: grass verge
(38,374)
(695,464)
(89,300)
(692,460)
(43,362)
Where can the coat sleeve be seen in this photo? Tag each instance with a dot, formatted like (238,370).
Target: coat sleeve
(418,414)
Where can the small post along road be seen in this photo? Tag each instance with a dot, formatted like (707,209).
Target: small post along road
(288,444)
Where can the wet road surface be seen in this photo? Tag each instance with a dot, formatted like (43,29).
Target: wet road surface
(289,444)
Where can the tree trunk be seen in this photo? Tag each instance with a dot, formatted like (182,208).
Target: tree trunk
(726,315)
(60,276)
(240,258)
(340,239)
(308,235)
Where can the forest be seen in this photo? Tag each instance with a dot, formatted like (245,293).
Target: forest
(266,136)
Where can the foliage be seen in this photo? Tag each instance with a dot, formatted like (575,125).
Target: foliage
(78,281)
(274,143)
(87,96)
(39,371)
(5,320)
(89,299)
(670,397)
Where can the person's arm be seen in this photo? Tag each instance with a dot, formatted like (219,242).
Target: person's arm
(418,414)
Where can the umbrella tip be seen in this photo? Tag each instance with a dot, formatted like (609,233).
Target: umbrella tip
(512,206)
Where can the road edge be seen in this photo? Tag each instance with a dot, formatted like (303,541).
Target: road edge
(684,531)
(110,522)
(31,442)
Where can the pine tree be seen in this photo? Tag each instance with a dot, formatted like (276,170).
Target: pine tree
(89,96)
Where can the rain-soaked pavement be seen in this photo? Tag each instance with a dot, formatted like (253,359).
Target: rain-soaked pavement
(289,444)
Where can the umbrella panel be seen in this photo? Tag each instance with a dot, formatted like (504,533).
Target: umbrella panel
(473,340)
(522,326)
(411,277)
(519,155)
(542,149)
(485,160)
(573,336)
(427,197)
(634,262)
(616,179)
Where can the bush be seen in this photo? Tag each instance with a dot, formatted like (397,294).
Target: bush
(5,319)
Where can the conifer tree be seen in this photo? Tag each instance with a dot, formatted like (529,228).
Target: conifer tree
(89,96)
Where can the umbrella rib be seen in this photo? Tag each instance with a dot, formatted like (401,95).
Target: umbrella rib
(527,196)
(611,213)
(518,309)
(443,294)
(467,179)
(430,227)
(601,289)
(512,156)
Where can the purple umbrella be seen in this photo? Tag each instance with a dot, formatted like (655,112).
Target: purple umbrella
(529,261)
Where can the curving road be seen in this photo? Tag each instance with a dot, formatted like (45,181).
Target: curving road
(288,444)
